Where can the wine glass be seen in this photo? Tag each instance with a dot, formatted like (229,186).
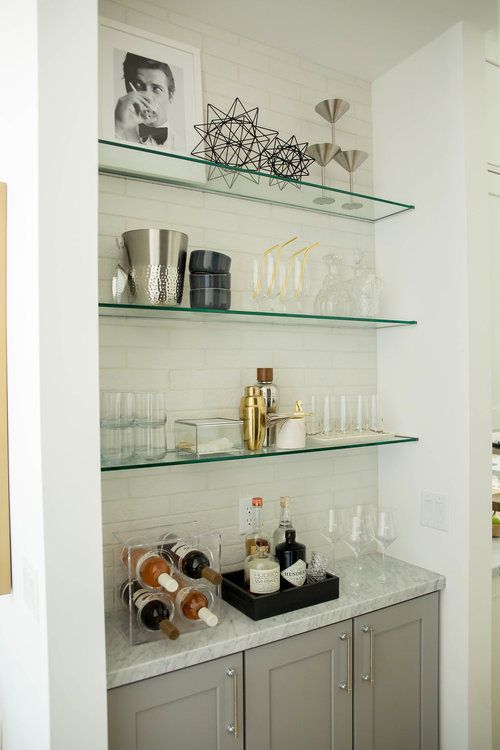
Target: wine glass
(338,523)
(358,536)
(386,532)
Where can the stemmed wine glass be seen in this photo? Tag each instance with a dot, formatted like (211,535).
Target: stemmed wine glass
(386,532)
(338,523)
(359,535)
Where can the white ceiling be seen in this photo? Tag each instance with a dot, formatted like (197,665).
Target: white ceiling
(363,38)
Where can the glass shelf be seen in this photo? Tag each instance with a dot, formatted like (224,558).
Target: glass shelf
(175,459)
(110,309)
(137,162)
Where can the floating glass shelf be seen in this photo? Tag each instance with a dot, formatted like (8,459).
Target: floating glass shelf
(181,459)
(137,162)
(110,309)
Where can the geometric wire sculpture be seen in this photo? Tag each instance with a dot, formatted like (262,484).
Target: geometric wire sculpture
(287,159)
(233,138)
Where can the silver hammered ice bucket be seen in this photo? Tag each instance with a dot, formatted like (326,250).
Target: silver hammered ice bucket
(157,261)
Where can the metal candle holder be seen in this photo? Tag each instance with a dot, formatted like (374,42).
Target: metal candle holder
(351,160)
(323,153)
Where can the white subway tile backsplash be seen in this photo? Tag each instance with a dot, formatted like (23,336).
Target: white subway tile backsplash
(203,367)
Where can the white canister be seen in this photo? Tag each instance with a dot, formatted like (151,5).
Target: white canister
(291,433)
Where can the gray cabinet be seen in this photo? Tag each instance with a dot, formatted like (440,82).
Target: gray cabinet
(396,677)
(298,692)
(193,708)
(365,684)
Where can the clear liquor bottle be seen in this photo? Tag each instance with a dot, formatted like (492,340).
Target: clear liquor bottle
(284,524)
(256,536)
(262,571)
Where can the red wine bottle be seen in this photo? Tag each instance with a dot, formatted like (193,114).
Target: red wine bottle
(153,611)
(188,560)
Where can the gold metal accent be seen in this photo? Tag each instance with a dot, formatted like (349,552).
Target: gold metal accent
(5,562)
(254,416)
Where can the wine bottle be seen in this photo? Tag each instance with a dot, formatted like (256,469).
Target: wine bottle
(154,612)
(284,524)
(188,560)
(256,536)
(151,570)
(262,571)
(292,559)
(193,604)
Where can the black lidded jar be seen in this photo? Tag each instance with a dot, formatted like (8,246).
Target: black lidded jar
(289,553)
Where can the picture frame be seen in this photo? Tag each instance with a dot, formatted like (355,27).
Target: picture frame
(5,552)
(149,101)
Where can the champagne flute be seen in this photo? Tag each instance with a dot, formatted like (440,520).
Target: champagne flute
(358,537)
(386,532)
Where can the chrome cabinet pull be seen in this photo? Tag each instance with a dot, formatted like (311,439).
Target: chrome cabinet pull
(369,677)
(234,728)
(347,685)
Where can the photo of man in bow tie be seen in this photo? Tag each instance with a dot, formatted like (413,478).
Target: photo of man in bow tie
(141,115)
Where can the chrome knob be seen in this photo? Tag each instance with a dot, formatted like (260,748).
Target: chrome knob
(342,685)
(365,677)
(365,628)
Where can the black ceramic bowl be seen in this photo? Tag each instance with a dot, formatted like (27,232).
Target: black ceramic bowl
(218,299)
(208,261)
(210,280)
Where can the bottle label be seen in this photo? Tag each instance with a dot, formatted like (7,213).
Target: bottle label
(264,581)
(141,598)
(182,549)
(296,574)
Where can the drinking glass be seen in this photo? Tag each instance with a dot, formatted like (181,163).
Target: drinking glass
(358,536)
(150,409)
(150,441)
(373,414)
(117,409)
(317,568)
(117,444)
(269,278)
(342,414)
(386,532)
(338,524)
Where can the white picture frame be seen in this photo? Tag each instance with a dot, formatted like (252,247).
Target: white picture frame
(165,99)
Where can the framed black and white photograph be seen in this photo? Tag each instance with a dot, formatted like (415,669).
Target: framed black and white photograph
(149,97)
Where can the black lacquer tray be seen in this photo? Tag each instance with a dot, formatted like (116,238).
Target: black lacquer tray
(285,600)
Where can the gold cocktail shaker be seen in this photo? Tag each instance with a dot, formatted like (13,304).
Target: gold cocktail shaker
(253,414)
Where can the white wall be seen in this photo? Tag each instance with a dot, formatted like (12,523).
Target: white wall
(203,367)
(428,116)
(52,675)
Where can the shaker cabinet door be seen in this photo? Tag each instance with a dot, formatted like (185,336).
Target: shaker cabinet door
(298,692)
(193,708)
(396,677)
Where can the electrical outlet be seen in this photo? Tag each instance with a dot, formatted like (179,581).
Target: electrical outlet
(434,511)
(246,515)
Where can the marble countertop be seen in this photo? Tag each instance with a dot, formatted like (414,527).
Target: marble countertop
(236,632)
(495,556)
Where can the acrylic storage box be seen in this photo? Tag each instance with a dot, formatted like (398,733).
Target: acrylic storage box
(202,437)
(128,551)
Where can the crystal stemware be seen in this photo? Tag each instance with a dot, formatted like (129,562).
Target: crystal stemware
(338,524)
(358,537)
(365,288)
(386,532)
(333,298)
